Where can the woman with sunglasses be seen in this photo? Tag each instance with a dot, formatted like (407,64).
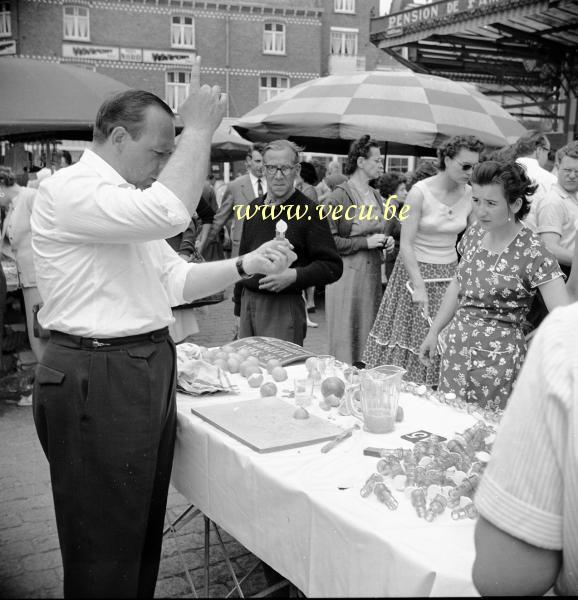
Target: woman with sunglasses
(440,207)
(503,264)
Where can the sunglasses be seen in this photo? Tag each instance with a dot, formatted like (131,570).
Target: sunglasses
(466,166)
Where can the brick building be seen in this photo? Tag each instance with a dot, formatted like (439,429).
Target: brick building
(253,50)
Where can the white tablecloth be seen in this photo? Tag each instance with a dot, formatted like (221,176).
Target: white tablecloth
(301,512)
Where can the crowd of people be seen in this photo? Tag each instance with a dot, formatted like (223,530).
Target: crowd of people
(478,251)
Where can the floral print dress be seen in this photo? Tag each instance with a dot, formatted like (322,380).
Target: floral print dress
(485,343)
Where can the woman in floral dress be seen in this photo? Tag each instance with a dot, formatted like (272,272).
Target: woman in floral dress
(503,264)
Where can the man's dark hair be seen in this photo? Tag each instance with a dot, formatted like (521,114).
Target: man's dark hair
(570,150)
(308,173)
(528,143)
(67,157)
(389,182)
(452,147)
(128,110)
(503,154)
(257,147)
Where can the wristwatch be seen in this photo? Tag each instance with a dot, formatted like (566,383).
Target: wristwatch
(240,269)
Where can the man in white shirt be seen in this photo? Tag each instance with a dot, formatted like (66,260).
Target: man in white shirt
(241,191)
(532,151)
(104,396)
(557,214)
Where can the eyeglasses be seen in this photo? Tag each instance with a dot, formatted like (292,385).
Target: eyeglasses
(466,166)
(285,169)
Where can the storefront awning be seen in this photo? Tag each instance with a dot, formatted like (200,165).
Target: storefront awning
(525,45)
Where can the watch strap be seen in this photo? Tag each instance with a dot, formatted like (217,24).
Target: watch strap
(240,269)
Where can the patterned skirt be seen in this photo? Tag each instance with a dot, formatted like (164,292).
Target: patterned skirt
(400,327)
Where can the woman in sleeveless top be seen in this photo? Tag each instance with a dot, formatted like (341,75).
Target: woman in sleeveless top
(439,210)
(353,301)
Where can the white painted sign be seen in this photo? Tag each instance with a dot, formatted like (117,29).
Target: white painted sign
(167,56)
(93,52)
(8,47)
(131,54)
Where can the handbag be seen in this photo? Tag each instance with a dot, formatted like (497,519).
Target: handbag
(212,299)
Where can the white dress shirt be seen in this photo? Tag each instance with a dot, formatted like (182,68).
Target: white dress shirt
(558,213)
(103,268)
(255,185)
(544,179)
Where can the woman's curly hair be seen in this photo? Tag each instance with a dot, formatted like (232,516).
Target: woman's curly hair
(513,180)
(389,182)
(360,147)
(452,147)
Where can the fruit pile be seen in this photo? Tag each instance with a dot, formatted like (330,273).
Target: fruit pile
(247,365)
(445,474)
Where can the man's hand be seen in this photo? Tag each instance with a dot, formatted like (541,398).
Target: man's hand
(276,283)
(389,244)
(270,258)
(205,106)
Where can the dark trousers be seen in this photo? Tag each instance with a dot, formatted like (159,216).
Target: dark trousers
(281,316)
(106,419)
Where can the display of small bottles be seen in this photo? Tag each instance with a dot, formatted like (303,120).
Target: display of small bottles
(435,475)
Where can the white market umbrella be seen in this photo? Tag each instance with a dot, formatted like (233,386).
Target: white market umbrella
(399,107)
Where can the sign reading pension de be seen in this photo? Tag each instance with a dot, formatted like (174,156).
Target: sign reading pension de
(396,22)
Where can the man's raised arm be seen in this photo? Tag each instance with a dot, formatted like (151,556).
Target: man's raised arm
(186,170)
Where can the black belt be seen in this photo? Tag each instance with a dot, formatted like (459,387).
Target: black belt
(76,341)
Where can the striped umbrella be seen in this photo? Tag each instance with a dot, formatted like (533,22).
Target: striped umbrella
(402,107)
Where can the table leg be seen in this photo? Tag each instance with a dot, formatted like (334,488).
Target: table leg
(207,536)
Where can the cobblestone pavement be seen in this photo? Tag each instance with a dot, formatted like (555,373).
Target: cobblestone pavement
(30,563)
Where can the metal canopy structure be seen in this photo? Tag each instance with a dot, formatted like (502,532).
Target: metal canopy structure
(524,47)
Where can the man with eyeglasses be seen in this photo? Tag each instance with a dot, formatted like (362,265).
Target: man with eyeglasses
(531,151)
(273,306)
(557,215)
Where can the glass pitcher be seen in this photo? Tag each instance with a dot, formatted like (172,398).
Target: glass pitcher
(379,396)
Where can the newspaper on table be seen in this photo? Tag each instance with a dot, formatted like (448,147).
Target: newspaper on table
(196,376)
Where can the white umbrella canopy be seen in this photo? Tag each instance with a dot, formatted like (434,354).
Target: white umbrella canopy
(399,107)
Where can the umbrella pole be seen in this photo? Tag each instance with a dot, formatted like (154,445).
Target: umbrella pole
(384,156)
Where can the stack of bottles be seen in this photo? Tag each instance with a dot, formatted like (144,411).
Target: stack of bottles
(435,476)
(490,413)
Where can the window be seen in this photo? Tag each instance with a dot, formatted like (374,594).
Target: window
(397,164)
(177,88)
(76,23)
(343,42)
(344,6)
(274,38)
(271,86)
(5,21)
(182,32)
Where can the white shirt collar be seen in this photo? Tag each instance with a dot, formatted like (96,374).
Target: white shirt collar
(255,179)
(104,169)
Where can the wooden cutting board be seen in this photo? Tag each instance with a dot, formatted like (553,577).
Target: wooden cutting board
(267,424)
